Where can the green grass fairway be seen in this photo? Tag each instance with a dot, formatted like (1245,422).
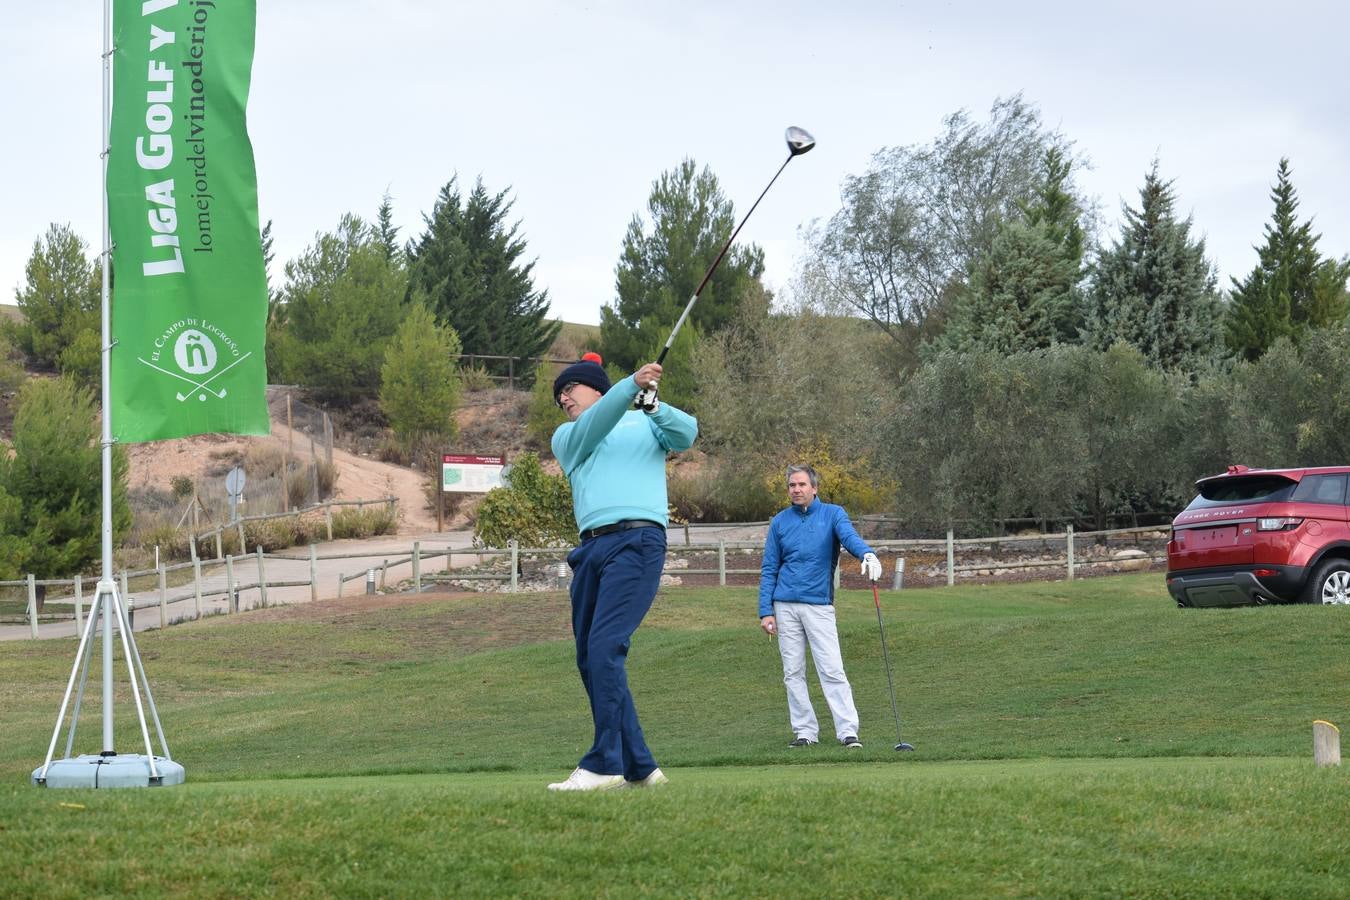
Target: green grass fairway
(1074,739)
(1075,828)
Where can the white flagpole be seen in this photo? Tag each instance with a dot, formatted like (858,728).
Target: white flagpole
(127,770)
(105,586)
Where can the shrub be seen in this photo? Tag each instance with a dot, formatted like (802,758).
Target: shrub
(535,510)
(274,534)
(849,483)
(299,478)
(182,486)
(476,378)
(361,523)
(328,476)
(729,491)
(172,542)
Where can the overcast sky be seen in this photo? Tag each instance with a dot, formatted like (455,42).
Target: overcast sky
(578,106)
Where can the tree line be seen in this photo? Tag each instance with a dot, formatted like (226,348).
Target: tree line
(965,338)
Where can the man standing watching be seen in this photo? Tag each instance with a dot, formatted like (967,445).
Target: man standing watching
(796,602)
(615,459)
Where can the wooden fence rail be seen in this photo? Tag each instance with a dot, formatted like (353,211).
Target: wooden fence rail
(198,589)
(238,524)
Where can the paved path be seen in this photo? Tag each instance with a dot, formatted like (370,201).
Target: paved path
(368,553)
(371,552)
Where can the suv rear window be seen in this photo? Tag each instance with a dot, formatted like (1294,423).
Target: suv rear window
(1321,489)
(1243,489)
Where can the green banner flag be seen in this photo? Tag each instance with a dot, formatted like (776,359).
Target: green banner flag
(189,296)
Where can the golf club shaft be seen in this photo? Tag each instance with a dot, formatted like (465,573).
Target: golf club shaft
(886,656)
(713,268)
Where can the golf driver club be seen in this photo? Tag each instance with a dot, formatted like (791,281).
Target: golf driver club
(799,141)
(885,655)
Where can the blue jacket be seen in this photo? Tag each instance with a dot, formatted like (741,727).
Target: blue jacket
(615,457)
(801,552)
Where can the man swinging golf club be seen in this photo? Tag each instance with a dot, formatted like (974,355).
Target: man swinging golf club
(796,603)
(615,459)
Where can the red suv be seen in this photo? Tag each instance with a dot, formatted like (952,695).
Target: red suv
(1263,536)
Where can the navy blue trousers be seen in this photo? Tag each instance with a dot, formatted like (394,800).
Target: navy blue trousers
(614,581)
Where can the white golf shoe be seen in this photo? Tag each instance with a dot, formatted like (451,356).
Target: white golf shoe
(585,780)
(652,780)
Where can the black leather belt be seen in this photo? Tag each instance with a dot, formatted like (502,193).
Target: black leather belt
(621,525)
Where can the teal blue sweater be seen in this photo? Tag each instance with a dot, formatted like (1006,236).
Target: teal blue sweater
(615,457)
(801,552)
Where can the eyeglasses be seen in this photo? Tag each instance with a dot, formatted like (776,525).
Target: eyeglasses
(566,391)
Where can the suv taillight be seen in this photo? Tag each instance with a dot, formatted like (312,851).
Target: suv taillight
(1278,523)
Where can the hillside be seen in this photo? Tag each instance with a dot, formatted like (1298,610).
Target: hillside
(490,422)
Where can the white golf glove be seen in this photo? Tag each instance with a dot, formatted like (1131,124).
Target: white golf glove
(646,400)
(871,567)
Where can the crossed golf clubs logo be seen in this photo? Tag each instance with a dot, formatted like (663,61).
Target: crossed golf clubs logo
(196,354)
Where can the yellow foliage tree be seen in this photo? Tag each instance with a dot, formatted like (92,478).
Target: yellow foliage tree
(852,483)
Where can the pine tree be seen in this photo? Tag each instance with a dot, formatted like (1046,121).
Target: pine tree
(60,299)
(54,473)
(419,384)
(1021,296)
(387,231)
(276,309)
(1023,292)
(1054,206)
(343,303)
(467,267)
(660,267)
(1292,288)
(1153,289)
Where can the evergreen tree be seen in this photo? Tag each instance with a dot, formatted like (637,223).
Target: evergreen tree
(1021,296)
(1153,289)
(660,268)
(1292,288)
(54,472)
(1054,206)
(419,384)
(387,231)
(1023,291)
(60,300)
(268,255)
(12,375)
(467,267)
(343,303)
(276,311)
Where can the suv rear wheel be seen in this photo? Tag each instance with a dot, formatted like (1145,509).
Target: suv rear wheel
(1330,583)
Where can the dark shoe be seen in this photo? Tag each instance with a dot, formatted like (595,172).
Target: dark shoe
(800,742)
(851,742)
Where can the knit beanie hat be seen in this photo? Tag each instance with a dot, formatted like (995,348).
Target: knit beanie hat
(587,371)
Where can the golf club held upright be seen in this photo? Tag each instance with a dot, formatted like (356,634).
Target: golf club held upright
(886,656)
(799,141)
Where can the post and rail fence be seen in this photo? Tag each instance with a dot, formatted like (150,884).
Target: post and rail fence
(214,586)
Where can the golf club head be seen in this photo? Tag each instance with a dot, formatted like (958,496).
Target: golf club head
(903,746)
(799,140)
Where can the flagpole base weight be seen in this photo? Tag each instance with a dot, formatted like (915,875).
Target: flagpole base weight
(131,770)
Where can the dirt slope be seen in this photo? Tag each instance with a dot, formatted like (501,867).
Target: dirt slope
(490,422)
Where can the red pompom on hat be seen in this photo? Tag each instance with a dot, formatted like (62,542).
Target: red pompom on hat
(593,357)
